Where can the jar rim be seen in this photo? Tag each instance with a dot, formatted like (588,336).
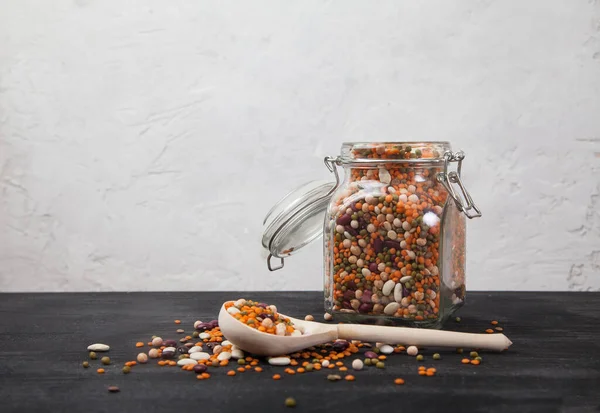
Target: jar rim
(394,152)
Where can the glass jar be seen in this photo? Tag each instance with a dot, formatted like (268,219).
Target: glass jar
(394,232)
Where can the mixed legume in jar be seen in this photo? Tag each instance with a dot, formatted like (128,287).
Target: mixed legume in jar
(394,239)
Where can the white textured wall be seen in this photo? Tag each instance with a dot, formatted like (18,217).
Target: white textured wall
(141,142)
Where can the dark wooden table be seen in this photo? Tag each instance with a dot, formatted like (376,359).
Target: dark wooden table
(553,366)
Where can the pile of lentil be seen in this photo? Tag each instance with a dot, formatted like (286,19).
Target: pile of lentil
(207,351)
(383,247)
(262,317)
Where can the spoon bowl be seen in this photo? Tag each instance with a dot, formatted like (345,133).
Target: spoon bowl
(264,344)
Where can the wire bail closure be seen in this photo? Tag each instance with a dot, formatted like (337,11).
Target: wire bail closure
(464,204)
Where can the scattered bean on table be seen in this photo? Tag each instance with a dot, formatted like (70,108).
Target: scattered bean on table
(214,351)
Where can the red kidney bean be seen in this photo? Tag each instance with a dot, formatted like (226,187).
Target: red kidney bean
(182,350)
(168,354)
(351,230)
(349,295)
(366,297)
(204,326)
(351,285)
(344,219)
(340,345)
(378,245)
(373,268)
(170,343)
(365,308)
(391,244)
(346,304)
(214,324)
(200,368)
(370,355)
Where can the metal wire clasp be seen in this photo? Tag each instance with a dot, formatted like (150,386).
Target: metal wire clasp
(331,163)
(465,203)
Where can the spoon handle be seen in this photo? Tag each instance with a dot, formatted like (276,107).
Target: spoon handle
(422,337)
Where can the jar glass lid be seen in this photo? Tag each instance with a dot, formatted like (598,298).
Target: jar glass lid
(296,220)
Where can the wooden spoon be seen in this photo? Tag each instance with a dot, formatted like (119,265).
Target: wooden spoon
(264,344)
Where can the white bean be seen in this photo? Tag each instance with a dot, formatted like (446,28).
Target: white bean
(391,308)
(358,364)
(412,350)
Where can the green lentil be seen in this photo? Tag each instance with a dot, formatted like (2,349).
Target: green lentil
(376,350)
(457,319)
(367,362)
(85,364)
(315,361)
(105,360)
(309,367)
(380,364)
(474,354)
(478,359)
(290,402)
(241,362)
(374,361)
(126,370)
(93,355)
(195,334)
(437,356)
(420,357)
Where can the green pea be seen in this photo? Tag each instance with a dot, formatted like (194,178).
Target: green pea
(457,319)
(474,354)
(374,361)
(376,350)
(290,402)
(437,356)
(93,356)
(420,357)
(367,362)
(126,370)
(85,364)
(315,361)
(241,362)
(195,334)
(380,364)
(309,367)
(479,359)
(105,360)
